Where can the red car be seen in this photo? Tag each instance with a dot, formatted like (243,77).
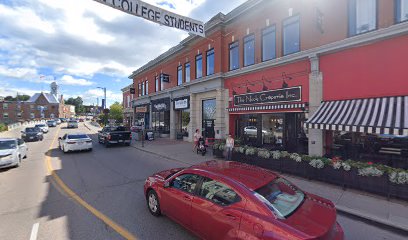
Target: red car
(231,200)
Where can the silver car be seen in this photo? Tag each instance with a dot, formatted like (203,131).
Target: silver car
(12,150)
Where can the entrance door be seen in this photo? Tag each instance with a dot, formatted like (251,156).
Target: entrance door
(208,126)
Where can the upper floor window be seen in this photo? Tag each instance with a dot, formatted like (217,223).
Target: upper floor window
(234,56)
(269,43)
(156,87)
(139,89)
(31,107)
(401,14)
(161,83)
(291,35)
(179,75)
(187,66)
(5,105)
(32,115)
(362,16)
(19,115)
(249,50)
(128,101)
(143,88)
(5,115)
(199,66)
(210,62)
(147,87)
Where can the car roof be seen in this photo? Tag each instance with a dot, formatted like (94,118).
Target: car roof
(251,177)
(7,139)
(78,133)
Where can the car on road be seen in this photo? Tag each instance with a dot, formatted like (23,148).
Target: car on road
(75,142)
(231,200)
(51,123)
(43,127)
(63,119)
(114,135)
(12,150)
(32,134)
(58,121)
(72,124)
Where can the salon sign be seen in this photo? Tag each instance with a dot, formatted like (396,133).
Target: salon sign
(292,94)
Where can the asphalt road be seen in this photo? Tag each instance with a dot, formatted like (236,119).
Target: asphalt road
(111,181)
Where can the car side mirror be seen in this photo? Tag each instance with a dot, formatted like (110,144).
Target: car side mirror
(60,138)
(166,184)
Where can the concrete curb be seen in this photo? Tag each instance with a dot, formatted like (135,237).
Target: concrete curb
(87,127)
(339,208)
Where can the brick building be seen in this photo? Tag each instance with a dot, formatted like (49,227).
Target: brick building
(280,73)
(127,102)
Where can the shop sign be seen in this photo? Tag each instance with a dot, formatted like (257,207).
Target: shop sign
(141,109)
(292,94)
(157,15)
(183,103)
(161,105)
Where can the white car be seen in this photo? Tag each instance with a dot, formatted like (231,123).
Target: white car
(252,130)
(72,124)
(75,142)
(12,150)
(43,127)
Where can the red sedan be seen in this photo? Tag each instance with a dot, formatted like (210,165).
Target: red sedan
(230,200)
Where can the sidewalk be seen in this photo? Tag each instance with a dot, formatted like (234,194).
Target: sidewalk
(393,213)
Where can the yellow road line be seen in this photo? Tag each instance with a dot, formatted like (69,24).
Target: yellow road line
(122,231)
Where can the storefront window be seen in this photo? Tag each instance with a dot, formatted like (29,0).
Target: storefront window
(161,122)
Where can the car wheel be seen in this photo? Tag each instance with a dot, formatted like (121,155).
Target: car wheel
(63,149)
(19,161)
(153,203)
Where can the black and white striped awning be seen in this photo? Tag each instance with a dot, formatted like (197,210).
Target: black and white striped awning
(268,107)
(387,115)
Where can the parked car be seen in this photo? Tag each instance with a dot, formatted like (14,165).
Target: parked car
(63,119)
(81,120)
(51,123)
(12,150)
(229,200)
(136,128)
(43,127)
(32,134)
(72,124)
(114,135)
(75,142)
(58,121)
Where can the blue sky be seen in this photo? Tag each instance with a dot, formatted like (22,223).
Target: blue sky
(82,44)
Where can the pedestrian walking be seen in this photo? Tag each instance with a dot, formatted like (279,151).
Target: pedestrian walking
(196,137)
(229,145)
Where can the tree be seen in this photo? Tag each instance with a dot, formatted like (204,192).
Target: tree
(22,97)
(77,102)
(116,112)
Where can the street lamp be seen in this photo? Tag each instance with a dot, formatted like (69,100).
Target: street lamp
(104,105)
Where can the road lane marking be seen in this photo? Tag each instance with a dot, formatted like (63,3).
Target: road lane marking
(34,231)
(119,229)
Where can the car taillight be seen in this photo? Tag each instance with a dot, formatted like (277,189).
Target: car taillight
(130,136)
(108,137)
(71,142)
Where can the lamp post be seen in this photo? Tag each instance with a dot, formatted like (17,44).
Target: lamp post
(104,105)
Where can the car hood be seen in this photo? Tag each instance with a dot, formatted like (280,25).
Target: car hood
(166,173)
(316,217)
(31,133)
(7,152)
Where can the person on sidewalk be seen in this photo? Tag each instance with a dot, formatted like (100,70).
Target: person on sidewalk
(229,145)
(196,137)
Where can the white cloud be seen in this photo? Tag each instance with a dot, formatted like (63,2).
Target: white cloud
(18,72)
(90,96)
(69,80)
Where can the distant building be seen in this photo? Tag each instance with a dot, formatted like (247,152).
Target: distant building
(128,111)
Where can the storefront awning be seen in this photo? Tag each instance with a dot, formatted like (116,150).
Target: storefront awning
(387,115)
(268,107)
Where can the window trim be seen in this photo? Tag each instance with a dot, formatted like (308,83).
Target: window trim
(229,55)
(180,81)
(351,5)
(248,38)
(197,57)
(210,52)
(265,29)
(283,34)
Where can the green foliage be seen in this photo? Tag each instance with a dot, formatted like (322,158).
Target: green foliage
(77,102)
(116,112)
(17,98)
(3,127)
(185,118)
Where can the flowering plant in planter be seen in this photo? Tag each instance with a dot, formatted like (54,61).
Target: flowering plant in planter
(296,157)
(221,146)
(398,177)
(346,166)
(240,149)
(264,153)
(250,151)
(316,163)
(370,171)
(216,146)
(276,155)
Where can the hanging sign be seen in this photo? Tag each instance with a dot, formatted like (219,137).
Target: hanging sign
(292,94)
(181,103)
(157,15)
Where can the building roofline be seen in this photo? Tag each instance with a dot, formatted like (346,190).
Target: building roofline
(217,20)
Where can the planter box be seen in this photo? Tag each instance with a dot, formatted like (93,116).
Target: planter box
(218,153)
(398,191)
(327,174)
(378,185)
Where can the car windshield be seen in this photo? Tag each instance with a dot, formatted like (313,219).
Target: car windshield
(281,197)
(77,136)
(40,125)
(9,144)
(32,130)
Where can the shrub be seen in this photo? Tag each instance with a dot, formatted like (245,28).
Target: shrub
(264,153)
